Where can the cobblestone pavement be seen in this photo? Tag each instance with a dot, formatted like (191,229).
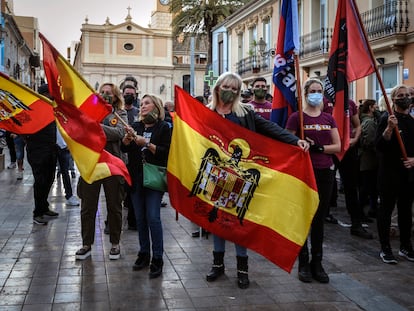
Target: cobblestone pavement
(38,270)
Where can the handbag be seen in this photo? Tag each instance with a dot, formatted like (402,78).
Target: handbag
(155,177)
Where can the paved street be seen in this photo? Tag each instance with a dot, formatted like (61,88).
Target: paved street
(38,270)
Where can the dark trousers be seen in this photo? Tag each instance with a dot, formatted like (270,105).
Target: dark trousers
(349,170)
(368,189)
(10,145)
(63,156)
(43,163)
(89,193)
(399,191)
(324,181)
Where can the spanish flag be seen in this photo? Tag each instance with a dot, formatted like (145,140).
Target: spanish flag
(65,83)
(244,187)
(22,111)
(79,112)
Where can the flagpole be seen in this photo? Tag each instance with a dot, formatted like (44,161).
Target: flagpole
(384,93)
(299,92)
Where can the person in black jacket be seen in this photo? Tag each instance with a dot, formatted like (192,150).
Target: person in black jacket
(226,102)
(149,139)
(396,175)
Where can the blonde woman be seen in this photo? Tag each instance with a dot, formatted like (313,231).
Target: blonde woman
(149,138)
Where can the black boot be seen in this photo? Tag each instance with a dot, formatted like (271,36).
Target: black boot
(318,273)
(242,272)
(218,267)
(142,261)
(156,268)
(304,271)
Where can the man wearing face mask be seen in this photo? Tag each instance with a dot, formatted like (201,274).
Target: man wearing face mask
(396,175)
(130,98)
(259,102)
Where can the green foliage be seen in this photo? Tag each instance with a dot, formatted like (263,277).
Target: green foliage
(199,17)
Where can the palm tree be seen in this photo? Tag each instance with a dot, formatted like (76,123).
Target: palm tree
(198,17)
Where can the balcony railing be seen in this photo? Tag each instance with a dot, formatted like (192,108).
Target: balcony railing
(390,18)
(385,20)
(255,63)
(316,42)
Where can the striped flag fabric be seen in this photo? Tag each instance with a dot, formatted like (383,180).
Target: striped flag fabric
(349,60)
(22,111)
(79,112)
(284,78)
(232,182)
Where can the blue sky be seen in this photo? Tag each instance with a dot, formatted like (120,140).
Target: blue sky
(60,20)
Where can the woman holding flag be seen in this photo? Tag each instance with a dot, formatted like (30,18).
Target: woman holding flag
(226,102)
(321,131)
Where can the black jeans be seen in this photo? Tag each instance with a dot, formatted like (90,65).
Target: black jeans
(43,163)
(324,181)
(349,170)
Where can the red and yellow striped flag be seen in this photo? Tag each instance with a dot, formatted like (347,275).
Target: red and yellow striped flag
(255,191)
(78,113)
(22,111)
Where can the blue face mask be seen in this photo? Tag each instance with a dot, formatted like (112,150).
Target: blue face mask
(315,99)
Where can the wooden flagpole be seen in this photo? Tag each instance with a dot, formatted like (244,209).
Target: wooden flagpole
(299,92)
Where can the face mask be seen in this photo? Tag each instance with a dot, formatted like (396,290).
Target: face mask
(403,103)
(315,99)
(129,99)
(259,93)
(227,96)
(108,98)
(151,117)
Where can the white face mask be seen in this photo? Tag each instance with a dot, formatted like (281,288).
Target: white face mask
(315,99)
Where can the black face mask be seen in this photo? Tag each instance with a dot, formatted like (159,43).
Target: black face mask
(403,103)
(129,99)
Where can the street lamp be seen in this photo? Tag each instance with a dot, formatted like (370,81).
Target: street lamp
(261,45)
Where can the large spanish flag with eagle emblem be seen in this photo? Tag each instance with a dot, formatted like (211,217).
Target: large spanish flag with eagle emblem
(255,191)
(22,111)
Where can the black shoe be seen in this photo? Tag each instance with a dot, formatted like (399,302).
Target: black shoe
(331,219)
(196,234)
(51,213)
(133,228)
(163,204)
(367,220)
(73,174)
(304,273)
(155,268)
(83,253)
(318,273)
(361,232)
(142,261)
(215,272)
(39,220)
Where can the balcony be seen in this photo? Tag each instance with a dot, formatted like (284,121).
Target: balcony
(386,20)
(316,42)
(255,64)
(383,22)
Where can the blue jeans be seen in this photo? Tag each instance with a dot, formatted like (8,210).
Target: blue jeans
(63,156)
(147,207)
(220,246)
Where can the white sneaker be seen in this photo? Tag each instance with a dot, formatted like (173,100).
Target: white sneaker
(72,201)
(19,175)
(11,165)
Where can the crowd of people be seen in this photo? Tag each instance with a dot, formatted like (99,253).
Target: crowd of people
(377,170)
